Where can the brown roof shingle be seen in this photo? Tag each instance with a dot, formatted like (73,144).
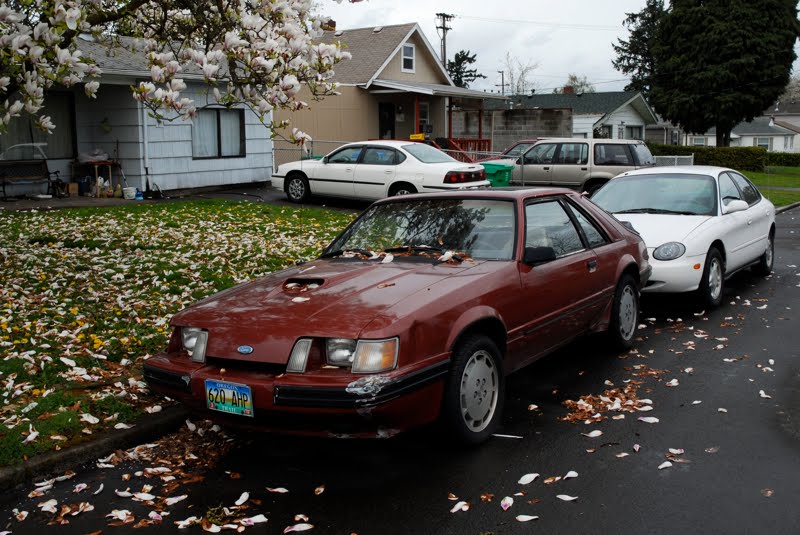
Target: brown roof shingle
(370,50)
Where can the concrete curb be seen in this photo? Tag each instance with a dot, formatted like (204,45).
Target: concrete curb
(146,428)
(782,209)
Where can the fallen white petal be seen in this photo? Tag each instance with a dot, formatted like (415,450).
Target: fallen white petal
(665,464)
(526,518)
(527,478)
(506,502)
(594,434)
(649,419)
(278,490)
(460,506)
(566,498)
(571,474)
(175,499)
(764,394)
(298,527)
(676,451)
(243,498)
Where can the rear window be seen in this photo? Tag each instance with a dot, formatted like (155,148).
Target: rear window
(642,155)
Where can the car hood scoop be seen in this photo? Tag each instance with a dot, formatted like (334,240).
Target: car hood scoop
(339,299)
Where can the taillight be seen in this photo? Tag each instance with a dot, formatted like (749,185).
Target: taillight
(459,177)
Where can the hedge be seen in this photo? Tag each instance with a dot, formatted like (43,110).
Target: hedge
(740,158)
(786,159)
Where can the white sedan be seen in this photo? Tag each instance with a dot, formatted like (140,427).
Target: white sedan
(377,169)
(701,225)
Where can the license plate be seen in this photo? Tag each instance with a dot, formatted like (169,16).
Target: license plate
(229,397)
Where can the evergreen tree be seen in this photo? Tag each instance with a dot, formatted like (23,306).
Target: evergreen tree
(635,56)
(716,63)
(458,69)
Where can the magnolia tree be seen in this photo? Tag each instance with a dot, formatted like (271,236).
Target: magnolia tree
(255,53)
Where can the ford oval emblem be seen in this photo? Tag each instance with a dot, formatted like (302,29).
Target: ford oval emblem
(244,350)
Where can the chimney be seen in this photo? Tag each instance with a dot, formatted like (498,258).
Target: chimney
(568,90)
(329,25)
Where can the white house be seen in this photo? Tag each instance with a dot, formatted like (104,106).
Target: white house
(760,132)
(220,147)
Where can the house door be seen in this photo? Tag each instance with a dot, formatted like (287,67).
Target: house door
(386,120)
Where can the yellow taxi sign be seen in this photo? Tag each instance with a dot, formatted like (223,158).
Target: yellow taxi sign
(417,137)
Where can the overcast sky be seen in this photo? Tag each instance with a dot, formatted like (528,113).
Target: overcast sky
(561,36)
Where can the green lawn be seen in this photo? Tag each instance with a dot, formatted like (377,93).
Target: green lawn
(784,177)
(780,197)
(86,295)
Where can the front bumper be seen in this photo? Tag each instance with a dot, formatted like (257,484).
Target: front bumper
(322,404)
(675,276)
(277,181)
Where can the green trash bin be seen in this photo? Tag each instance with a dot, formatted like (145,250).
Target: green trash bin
(313,157)
(499,174)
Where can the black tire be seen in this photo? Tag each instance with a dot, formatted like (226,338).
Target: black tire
(401,188)
(712,283)
(297,188)
(475,391)
(624,313)
(767,260)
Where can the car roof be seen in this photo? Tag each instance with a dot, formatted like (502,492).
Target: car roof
(386,142)
(595,139)
(707,170)
(510,193)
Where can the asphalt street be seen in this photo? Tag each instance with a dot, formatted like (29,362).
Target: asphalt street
(725,389)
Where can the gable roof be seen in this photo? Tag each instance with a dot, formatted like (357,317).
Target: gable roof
(372,50)
(759,126)
(602,104)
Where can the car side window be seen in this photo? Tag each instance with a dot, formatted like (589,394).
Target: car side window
(612,154)
(399,157)
(594,237)
(749,192)
(547,224)
(728,190)
(346,155)
(541,153)
(378,156)
(573,153)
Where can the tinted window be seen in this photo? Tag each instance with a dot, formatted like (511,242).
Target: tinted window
(518,149)
(378,156)
(573,153)
(749,191)
(548,225)
(594,237)
(612,154)
(345,155)
(541,153)
(727,189)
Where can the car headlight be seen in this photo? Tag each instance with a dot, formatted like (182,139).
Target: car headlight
(340,351)
(669,251)
(373,356)
(194,342)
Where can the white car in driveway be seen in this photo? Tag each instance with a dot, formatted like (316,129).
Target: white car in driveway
(701,224)
(376,169)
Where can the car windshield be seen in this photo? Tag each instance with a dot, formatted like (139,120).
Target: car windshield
(683,194)
(518,149)
(427,154)
(477,228)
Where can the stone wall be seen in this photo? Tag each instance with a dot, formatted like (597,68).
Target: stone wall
(505,127)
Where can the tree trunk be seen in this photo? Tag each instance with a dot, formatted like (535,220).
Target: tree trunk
(723,135)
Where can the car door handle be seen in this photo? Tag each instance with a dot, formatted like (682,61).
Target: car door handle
(592,265)
(584,168)
(388,172)
(545,168)
(749,221)
(347,169)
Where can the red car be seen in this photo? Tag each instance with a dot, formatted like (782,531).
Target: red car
(416,312)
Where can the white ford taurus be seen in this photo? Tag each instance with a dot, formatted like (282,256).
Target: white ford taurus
(377,169)
(701,225)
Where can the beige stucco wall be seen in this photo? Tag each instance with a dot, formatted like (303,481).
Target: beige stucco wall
(351,116)
(426,70)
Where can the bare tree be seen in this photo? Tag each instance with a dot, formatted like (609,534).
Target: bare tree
(518,74)
(792,92)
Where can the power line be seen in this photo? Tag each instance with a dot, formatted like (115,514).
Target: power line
(555,25)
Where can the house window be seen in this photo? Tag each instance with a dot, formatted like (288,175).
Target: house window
(23,141)
(424,117)
(788,143)
(633,132)
(765,142)
(605,131)
(408,58)
(698,141)
(218,133)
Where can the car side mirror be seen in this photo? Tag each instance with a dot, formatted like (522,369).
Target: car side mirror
(538,255)
(519,161)
(324,159)
(735,206)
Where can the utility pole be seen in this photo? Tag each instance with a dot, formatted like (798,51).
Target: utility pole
(444,18)
(502,84)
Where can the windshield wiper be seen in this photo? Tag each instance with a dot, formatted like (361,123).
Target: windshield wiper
(340,252)
(414,248)
(654,211)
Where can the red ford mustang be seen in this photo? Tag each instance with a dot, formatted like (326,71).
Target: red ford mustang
(416,312)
